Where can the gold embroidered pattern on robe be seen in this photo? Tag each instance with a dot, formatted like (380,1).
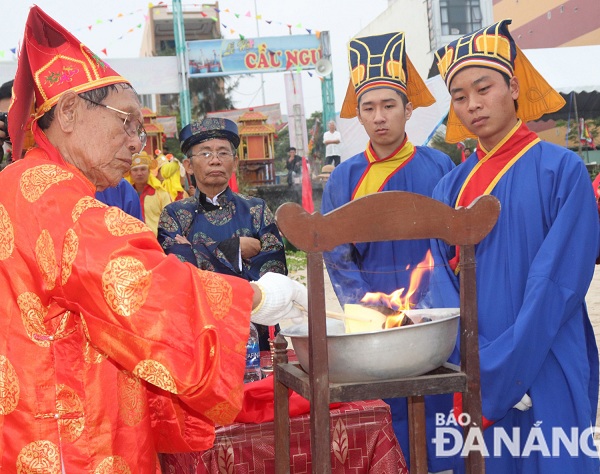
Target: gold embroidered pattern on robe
(33,313)
(85,203)
(46,258)
(7,235)
(9,387)
(36,181)
(223,413)
(126,284)
(70,247)
(68,404)
(219,293)
(39,456)
(130,396)
(156,374)
(113,465)
(120,223)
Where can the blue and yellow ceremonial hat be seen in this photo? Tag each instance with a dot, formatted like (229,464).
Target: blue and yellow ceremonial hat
(493,47)
(381,61)
(207,129)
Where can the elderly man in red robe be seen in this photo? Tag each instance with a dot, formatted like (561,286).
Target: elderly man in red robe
(100,367)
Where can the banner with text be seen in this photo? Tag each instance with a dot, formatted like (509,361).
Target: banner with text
(252,55)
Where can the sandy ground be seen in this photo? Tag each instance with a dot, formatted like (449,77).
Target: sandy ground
(592,299)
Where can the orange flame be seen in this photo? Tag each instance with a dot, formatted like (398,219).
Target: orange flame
(399,300)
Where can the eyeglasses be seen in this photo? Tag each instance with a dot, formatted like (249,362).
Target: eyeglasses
(209,155)
(133,129)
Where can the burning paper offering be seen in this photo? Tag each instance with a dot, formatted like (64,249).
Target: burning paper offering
(378,311)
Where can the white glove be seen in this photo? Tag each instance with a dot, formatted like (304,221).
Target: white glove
(525,403)
(279,293)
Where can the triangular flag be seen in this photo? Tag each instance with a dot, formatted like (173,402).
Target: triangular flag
(119,15)
(259,17)
(237,15)
(98,22)
(309,30)
(232,31)
(298,68)
(104,51)
(224,25)
(227,10)
(150,5)
(309,73)
(214,18)
(1,53)
(307,197)
(110,19)
(203,14)
(217,10)
(139,25)
(318,34)
(269,21)
(289,26)
(299,25)
(13,50)
(242,37)
(248,14)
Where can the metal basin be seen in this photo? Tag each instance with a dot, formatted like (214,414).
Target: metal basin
(387,354)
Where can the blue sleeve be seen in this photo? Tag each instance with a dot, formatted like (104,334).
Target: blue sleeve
(271,257)
(342,262)
(131,200)
(168,227)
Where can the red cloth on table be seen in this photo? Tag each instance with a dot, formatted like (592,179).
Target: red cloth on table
(258,405)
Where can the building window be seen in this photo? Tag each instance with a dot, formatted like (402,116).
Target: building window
(460,17)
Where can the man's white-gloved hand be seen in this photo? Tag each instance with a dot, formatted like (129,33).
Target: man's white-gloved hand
(279,293)
(525,403)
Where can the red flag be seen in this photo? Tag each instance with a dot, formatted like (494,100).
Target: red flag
(307,200)
(461,147)
(233,183)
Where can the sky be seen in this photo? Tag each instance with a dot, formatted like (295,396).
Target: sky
(117,27)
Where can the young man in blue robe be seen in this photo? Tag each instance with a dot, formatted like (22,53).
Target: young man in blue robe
(384,90)
(538,355)
(216,229)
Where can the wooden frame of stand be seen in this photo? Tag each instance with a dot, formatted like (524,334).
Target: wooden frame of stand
(392,215)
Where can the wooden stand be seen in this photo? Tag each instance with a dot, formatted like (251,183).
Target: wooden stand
(392,215)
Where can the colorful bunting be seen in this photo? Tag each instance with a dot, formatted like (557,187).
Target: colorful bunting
(232,31)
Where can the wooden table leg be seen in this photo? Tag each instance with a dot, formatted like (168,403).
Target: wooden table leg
(281,422)
(417,435)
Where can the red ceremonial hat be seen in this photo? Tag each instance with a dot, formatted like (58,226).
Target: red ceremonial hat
(51,62)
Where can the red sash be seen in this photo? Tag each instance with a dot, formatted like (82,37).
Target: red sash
(491,167)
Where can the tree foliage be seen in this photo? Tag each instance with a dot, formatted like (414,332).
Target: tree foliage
(282,141)
(209,94)
(451,149)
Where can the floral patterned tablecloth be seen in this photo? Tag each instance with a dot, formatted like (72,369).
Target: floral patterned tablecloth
(362,441)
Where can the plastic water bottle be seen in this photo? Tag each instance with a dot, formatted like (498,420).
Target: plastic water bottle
(252,373)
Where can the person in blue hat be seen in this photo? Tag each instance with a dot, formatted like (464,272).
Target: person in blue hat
(538,354)
(384,90)
(216,229)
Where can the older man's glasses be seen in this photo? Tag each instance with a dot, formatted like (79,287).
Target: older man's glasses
(208,155)
(131,127)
